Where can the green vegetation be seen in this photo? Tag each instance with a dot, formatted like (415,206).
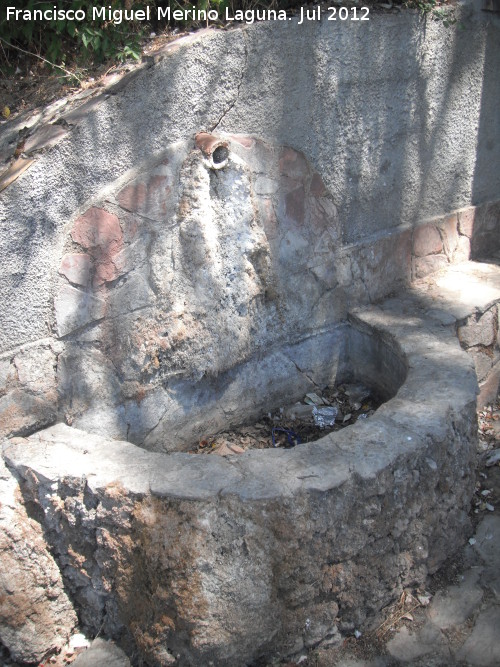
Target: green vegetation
(72,45)
(65,42)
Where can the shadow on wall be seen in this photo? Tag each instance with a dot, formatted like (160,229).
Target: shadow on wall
(486,238)
(381,123)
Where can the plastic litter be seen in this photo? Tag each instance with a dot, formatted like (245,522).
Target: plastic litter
(78,641)
(313,399)
(325,416)
(292,438)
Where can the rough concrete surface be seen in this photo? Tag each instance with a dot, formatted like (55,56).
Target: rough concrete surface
(272,526)
(36,615)
(102,653)
(154,294)
(415,151)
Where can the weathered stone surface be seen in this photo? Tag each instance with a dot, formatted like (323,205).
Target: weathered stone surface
(488,389)
(98,230)
(12,173)
(462,251)
(479,331)
(427,240)
(45,137)
(482,648)
(424,266)
(86,378)
(485,240)
(293,549)
(7,371)
(77,268)
(36,369)
(102,653)
(482,362)
(151,194)
(455,604)
(36,615)
(487,542)
(100,233)
(449,232)
(74,309)
(462,289)
(134,293)
(22,413)
(466,222)
(407,646)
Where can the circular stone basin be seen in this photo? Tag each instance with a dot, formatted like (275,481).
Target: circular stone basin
(223,559)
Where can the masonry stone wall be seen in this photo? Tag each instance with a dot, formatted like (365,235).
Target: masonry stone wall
(151,290)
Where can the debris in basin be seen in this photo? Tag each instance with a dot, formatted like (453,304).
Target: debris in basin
(318,413)
(299,411)
(313,399)
(357,392)
(292,438)
(325,416)
(227,449)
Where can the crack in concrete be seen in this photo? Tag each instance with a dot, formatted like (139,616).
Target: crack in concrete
(240,83)
(302,372)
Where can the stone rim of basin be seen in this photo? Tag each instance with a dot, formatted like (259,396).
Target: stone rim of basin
(419,415)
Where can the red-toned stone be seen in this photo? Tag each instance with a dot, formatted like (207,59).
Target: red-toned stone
(426,241)
(424,266)
(293,164)
(135,196)
(317,187)
(98,230)
(294,205)
(466,221)
(246,142)
(323,215)
(76,268)
(450,233)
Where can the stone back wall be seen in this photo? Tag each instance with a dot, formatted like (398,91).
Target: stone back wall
(353,137)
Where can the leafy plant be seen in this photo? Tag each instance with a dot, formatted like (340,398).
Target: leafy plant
(62,40)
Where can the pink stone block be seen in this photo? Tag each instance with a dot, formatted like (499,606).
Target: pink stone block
(98,230)
(134,196)
(450,234)
(294,205)
(317,187)
(424,266)
(466,221)
(76,268)
(243,140)
(426,241)
(293,164)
